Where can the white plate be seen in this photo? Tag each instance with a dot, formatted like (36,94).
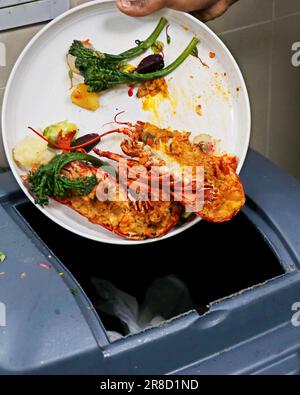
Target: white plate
(37,91)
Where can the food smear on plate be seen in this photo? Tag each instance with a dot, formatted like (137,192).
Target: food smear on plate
(161,177)
(159,106)
(157,99)
(220,86)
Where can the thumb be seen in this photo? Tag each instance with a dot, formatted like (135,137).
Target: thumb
(140,7)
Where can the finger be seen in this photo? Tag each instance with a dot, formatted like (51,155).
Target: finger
(140,7)
(190,5)
(214,11)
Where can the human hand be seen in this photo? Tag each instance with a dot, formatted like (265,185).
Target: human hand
(206,9)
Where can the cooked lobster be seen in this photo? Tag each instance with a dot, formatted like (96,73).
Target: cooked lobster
(119,215)
(172,152)
(147,203)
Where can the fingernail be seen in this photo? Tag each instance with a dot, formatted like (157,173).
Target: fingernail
(126,3)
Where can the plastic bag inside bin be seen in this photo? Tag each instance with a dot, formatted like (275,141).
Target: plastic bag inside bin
(166,297)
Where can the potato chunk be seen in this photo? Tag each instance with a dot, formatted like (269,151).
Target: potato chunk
(84,99)
(32,151)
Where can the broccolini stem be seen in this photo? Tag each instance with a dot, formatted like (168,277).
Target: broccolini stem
(167,70)
(85,55)
(146,44)
(63,159)
(48,181)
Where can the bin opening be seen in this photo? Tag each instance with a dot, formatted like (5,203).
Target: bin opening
(213,260)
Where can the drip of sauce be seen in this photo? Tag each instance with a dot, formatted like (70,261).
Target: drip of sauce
(130,90)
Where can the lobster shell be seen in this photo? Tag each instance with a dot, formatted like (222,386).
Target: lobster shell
(121,216)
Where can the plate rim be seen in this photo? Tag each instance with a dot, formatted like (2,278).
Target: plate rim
(117,241)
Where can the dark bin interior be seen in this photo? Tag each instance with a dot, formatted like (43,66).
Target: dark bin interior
(214,260)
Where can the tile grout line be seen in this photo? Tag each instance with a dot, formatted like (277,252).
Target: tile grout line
(251,25)
(279,18)
(238,29)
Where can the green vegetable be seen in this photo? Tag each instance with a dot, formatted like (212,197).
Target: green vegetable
(51,132)
(100,77)
(187,217)
(47,179)
(87,56)
(2,257)
(74,291)
(195,52)
(157,47)
(102,71)
(169,39)
(71,75)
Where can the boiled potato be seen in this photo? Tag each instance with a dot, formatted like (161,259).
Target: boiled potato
(84,99)
(32,151)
